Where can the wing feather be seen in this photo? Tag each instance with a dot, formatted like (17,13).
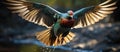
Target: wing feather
(34,12)
(87,20)
(89,15)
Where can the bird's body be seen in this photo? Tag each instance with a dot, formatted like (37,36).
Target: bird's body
(63,26)
(60,30)
(59,24)
(68,23)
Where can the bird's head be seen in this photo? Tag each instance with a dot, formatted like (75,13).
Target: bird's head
(70,12)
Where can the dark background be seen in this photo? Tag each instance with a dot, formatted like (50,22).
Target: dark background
(17,35)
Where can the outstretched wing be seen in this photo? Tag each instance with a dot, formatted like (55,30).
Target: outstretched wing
(34,12)
(90,15)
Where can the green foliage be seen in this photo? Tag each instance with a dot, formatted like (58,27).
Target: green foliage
(29,48)
(68,3)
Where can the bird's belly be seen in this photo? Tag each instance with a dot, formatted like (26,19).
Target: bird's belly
(67,23)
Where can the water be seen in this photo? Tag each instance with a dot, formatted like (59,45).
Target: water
(32,45)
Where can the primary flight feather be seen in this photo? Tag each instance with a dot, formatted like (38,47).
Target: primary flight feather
(59,24)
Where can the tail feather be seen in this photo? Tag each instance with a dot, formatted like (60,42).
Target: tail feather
(49,39)
(43,36)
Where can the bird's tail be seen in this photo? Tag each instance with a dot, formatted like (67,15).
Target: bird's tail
(49,39)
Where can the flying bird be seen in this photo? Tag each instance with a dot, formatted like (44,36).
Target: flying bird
(59,24)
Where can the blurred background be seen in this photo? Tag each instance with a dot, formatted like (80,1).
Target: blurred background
(18,35)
